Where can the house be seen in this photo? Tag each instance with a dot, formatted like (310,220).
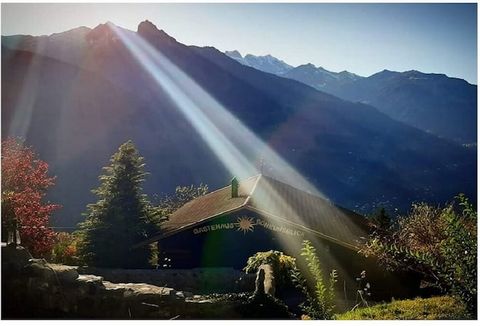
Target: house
(226,226)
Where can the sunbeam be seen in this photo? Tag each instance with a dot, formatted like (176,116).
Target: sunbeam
(24,107)
(231,141)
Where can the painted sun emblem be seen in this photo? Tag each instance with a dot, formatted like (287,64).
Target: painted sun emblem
(245,224)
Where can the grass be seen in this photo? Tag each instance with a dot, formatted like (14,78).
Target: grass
(444,307)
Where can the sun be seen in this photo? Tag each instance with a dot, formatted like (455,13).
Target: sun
(245,224)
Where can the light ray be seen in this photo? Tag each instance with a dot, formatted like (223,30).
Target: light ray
(169,78)
(24,106)
(231,141)
(210,118)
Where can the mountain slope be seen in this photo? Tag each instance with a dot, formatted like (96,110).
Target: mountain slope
(81,111)
(432,102)
(78,118)
(70,46)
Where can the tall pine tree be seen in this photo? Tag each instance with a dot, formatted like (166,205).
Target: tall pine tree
(122,216)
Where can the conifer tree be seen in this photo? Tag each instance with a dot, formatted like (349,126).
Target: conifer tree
(122,216)
(381,218)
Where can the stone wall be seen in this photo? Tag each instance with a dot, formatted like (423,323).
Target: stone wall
(35,289)
(197,280)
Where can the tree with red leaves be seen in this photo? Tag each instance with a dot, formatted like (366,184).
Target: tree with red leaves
(25,181)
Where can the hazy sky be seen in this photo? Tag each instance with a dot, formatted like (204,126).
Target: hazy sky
(361,38)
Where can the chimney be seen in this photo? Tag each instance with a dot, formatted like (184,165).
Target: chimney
(234,183)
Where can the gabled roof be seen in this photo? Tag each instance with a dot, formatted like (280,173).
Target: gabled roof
(309,212)
(276,200)
(209,206)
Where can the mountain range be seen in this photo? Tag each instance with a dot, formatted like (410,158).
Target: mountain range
(77,95)
(434,103)
(265,63)
(317,77)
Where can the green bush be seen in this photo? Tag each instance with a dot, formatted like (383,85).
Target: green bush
(64,250)
(282,265)
(445,307)
(439,243)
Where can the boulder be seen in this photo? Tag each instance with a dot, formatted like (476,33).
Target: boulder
(147,293)
(89,285)
(65,274)
(265,281)
(14,258)
(38,268)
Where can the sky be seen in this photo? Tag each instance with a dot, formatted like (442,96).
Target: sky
(361,38)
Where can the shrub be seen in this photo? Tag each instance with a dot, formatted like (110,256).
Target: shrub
(445,307)
(282,265)
(439,243)
(320,295)
(65,249)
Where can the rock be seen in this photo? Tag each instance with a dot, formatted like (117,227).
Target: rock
(269,282)
(114,289)
(14,259)
(39,268)
(90,278)
(265,281)
(89,284)
(65,274)
(184,294)
(259,283)
(147,292)
(187,294)
(180,294)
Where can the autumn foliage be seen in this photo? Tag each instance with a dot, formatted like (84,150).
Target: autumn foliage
(25,181)
(65,249)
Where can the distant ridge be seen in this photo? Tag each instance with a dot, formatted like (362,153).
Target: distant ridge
(266,63)
(434,103)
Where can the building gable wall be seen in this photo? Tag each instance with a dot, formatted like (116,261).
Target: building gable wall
(229,240)
(226,240)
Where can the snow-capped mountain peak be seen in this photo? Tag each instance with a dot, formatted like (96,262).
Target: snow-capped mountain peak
(266,63)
